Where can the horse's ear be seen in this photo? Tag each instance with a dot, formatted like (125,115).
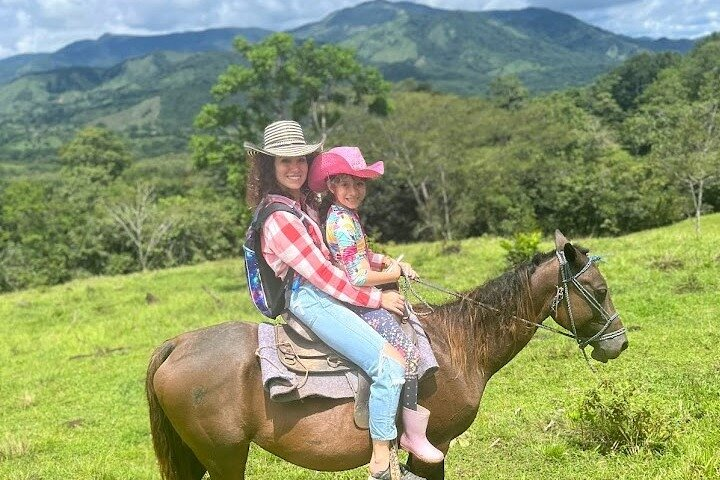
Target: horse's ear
(560,241)
(562,244)
(570,252)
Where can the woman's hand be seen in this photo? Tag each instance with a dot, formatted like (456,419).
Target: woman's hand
(393,302)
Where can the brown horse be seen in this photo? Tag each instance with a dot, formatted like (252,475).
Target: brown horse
(207,402)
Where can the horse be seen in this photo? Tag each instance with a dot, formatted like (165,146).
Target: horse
(207,402)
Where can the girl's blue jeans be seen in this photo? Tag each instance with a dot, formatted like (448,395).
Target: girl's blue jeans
(349,335)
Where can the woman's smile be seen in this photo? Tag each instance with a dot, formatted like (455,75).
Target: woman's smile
(291,173)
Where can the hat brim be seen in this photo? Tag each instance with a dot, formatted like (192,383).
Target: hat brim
(317,178)
(284,150)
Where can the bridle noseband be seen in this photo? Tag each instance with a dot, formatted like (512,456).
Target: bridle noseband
(563,293)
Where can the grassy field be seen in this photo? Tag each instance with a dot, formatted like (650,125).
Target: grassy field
(73,362)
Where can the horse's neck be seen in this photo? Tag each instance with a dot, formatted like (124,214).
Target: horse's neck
(508,343)
(504,344)
(453,394)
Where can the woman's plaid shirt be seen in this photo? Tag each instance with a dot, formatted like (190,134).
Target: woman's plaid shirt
(287,242)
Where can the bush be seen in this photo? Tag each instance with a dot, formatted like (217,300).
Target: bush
(612,418)
(521,247)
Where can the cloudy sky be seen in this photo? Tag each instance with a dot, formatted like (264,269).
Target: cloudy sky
(28,26)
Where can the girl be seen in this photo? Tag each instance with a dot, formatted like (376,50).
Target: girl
(343,171)
(278,173)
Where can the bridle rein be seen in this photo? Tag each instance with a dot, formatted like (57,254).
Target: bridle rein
(567,279)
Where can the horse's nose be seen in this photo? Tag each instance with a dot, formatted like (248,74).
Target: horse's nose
(624,345)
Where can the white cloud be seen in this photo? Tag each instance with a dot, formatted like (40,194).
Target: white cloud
(46,25)
(656,18)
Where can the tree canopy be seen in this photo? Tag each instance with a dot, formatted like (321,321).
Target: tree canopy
(305,82)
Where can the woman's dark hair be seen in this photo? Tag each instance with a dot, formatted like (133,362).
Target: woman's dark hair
(327,200)
(261,181)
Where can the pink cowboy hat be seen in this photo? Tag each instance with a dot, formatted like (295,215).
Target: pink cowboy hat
(340,160)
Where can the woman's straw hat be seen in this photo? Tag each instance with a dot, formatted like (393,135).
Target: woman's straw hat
(340,160)
(284,138)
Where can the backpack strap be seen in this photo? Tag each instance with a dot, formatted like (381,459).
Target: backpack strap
(261,216)
(266,210)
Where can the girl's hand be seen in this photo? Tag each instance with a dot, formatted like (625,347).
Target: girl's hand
(394,269)
(408,271)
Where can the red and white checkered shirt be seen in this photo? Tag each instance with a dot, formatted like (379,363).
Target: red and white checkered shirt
(287,242)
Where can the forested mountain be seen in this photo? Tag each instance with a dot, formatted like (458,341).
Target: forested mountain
(461,51)
(635,149)
(151,99)
(109,50)
(150,88)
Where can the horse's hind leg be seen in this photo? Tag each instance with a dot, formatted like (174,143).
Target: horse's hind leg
(229,464)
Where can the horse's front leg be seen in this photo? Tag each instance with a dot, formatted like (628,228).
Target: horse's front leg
(429,471)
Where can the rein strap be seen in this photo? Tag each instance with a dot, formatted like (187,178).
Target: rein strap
(563,292)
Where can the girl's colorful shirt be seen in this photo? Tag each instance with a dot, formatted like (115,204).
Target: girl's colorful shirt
(348,244)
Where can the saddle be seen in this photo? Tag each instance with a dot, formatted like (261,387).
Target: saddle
(302,352)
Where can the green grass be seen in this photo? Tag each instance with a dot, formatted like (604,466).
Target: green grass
(73,363)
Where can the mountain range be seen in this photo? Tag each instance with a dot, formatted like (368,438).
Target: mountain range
(151,87)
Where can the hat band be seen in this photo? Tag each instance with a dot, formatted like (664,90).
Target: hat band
(284,144)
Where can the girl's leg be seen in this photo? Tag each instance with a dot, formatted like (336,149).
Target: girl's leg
(388,327)
(415,418)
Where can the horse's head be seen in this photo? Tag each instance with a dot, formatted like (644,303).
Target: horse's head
(583,304)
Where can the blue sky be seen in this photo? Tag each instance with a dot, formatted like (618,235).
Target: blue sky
(29,26)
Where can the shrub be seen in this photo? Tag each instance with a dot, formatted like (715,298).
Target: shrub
(613,418)
(521,247)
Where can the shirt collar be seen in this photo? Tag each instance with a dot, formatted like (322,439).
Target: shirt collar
(273,197)
(344,208)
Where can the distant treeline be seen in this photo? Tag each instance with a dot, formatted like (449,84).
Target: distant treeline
(637,149)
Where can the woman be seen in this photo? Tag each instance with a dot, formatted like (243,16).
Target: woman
(278,173)
(342,171)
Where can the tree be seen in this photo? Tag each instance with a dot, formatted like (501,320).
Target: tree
(283,80)
(507,92)
(690,152)
(97,150)
(138,221)
(678,122)
(419,142)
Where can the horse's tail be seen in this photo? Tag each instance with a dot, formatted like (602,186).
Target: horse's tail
(177,461)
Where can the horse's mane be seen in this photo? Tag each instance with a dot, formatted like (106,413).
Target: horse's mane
(469,328)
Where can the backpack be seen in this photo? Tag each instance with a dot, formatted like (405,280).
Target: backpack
(266,290)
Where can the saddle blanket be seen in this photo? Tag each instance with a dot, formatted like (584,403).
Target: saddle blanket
(286,386)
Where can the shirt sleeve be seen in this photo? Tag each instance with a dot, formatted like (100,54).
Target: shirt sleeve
(376,260)
(347,243)
(286,236)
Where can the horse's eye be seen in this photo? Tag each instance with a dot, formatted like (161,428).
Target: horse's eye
(600,294)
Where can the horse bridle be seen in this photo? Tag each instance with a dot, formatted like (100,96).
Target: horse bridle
(563,293)
(567,278)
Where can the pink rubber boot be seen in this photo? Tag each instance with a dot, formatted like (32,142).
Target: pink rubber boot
(413,439)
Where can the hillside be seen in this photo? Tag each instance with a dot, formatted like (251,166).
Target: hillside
(109,50)
(151,99)
(461,51)
(151,88)
(73,372)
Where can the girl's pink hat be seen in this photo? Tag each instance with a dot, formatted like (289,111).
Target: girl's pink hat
(337,161)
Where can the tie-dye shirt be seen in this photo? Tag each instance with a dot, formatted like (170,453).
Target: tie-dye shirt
(348,244)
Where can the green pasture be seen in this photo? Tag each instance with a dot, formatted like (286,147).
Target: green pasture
(73,360)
